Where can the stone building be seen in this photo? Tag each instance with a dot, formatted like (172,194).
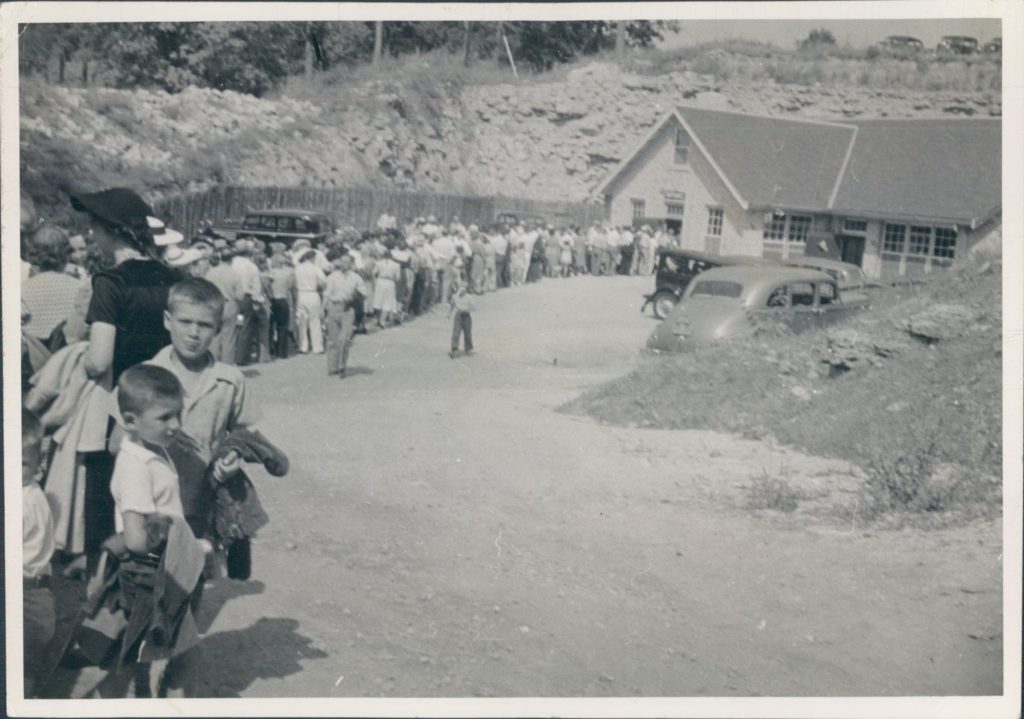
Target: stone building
(896,197)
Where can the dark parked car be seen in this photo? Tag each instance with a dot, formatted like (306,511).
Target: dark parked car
(730,302)
(900,45)
(957,45)
(285,226)
(676,268)
(993,46)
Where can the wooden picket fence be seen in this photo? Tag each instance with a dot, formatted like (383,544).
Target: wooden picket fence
(360,206)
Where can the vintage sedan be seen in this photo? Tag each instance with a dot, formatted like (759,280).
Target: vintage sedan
(729,302)
(676,268)
(850,277)
(282,225)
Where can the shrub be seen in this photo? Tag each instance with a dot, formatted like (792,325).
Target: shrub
(920,483)
(767,492)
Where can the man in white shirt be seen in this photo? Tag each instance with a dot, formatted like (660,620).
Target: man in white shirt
(309,283)
(252,322)
(444,250)
(387,221)
(627,245)
(613,250)
(430,227)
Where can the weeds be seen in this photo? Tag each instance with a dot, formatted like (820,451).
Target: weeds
(920,482)
(767,492)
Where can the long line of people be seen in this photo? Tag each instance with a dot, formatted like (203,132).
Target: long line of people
(129,334)
(275,304)
(279,290)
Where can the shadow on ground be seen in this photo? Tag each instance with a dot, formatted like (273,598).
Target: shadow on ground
(271,648)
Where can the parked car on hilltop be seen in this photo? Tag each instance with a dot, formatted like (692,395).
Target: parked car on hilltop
(675,270)
(731,302)
(957,45)
(900,45)
(285,225)
(993,46)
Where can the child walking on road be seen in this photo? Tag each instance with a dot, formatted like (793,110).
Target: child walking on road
(462,306)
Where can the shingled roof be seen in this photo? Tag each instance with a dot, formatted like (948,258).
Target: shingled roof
(937,169)
(773,162)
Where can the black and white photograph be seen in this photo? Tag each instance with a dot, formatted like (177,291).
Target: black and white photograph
(625,359)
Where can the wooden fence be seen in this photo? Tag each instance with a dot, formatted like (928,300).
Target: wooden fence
(361,207)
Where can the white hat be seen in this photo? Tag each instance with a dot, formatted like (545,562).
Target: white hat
(162,234)
(177,257)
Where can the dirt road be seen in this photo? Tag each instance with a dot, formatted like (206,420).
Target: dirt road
(445,532)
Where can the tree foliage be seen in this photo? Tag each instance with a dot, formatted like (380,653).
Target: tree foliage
(818,38)
(253,57)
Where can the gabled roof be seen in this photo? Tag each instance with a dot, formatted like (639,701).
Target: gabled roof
(940,169)
(773,162)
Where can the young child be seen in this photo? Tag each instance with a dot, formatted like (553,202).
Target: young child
(215,398)
(462,305)
(145,483)
(37,545)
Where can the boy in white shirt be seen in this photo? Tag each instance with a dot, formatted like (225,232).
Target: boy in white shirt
(145,482)
(38,612)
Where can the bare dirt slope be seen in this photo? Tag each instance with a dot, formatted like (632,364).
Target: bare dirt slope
(445,532)
(553,137)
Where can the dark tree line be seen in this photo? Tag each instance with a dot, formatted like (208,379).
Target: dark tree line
(253,57)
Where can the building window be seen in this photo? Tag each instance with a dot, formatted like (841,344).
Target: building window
(855,225)
(715,215)
(775,228)
(945,243)
(682,147)
(920,239)
(639,209)
(799,228)
(895,236)
(675,209)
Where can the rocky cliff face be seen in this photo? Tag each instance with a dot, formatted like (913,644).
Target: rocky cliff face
(553,140)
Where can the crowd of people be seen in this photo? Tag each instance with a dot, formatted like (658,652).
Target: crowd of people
(285,296)
(136,421)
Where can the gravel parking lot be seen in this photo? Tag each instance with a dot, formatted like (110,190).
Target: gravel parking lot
(445,532)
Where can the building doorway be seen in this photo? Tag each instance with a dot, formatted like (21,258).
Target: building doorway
(851,249)
(674,226)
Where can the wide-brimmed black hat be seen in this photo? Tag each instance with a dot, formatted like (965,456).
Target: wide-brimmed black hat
(124,208)
(118,206)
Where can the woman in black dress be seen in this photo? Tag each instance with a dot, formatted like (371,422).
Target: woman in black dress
(125,318)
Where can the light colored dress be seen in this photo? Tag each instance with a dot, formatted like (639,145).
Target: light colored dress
(387,272)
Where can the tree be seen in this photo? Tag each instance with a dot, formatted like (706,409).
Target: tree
(378,40)
(253,57)
(818,39)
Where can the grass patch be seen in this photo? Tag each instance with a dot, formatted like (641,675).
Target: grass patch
(752,61)
(925,424)
(767,492)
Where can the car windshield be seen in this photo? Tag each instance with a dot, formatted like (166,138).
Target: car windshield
(717,288)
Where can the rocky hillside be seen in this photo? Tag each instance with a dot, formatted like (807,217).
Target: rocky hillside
(550,140)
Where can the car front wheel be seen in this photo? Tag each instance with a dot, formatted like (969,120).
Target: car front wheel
(663,303)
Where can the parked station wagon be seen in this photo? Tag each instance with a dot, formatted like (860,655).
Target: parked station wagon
(675,270)
(730,302)
(279,225)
